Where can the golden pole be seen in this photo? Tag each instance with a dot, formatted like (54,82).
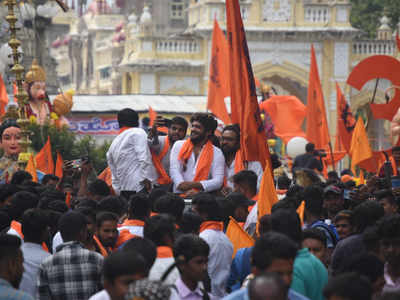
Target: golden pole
(21,95)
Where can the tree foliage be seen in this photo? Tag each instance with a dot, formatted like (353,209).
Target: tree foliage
(366,14)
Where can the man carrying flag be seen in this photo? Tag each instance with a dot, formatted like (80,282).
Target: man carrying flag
(161,146)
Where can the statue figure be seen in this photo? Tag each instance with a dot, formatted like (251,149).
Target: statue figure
(10,135)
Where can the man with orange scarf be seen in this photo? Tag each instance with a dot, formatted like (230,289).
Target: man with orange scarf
(196,164)
(161,146)
(129,156)
(230,145)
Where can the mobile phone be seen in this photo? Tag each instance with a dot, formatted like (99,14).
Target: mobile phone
(76,163)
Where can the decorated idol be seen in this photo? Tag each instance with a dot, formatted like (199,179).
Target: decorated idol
(10,135)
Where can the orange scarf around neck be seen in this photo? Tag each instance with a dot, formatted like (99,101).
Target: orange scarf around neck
(121,130)
(204,161)
(213,225)
(102,249)
(164,252)
(133,222)
(163,177)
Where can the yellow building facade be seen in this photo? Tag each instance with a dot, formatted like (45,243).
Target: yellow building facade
(113,54)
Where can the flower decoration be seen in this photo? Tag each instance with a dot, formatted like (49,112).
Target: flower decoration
(33,119)
(53,116)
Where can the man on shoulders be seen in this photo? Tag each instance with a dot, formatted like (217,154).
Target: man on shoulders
(196,164)
(129,156)
(308,160)
(161,146)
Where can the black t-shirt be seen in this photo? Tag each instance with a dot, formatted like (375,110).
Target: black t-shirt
(308,161)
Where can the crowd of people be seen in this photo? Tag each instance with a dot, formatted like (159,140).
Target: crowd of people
(158,230)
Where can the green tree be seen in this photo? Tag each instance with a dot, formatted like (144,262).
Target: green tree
(366,14)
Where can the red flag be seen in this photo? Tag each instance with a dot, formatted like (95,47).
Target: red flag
(398,41)
(317,126)
(153,116)
(287,114)
(44,159)
(59,166)
(244,104)
(218,84)
(3,97)
(345,121)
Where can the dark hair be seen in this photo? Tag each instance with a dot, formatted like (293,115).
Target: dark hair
(20,177)
(287,222)
(310,147)
(190,222)
(9,245)
(246,177)
(128,118)
(333,175)
(179,121)
(365,264)
(71,224)
(154,195)
(158,227)
(143,246)
(284,182)
(87,212)
(57,205)
(269,282)
(7,124)
(390,296)
(389,227)
(367,214)
(314,200)
(270,246)
(114,204)
(170,204)
(105,216)
(99,187)
(315,234)
(188,246)
(207,204)
(5,221)
(235,128)
(139,206)
(264,224)
(349,286)
(344,215)
(146,121)
(122,263)
(20,202)
(206,120)
(346,172)
(86,202)
(386,194)
(34,223)
(285,203)
(46,178)
(7,190)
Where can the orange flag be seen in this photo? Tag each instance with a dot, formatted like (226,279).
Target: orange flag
(287,114)
(153,116)
(244,104)
(3,97)
(345,121)
(218,84)
(31,169)
(300,211)
(44,159)
(362,179)
(360,150)
(317,126)
(106,176)
(59,166)
(238,237)
(267,195)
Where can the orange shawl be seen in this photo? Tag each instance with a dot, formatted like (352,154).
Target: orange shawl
(164,252)
(133,222)
(163,177)
(204,162)
(214,225)
(18,228)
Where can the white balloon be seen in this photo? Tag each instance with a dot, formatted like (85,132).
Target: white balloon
(296,146)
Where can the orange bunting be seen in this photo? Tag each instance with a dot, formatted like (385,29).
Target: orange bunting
(218,84)
(238,237)
(44,159)
(244,103)
(317,127)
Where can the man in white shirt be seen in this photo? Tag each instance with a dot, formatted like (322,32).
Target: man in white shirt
(129,156)
(161,146)
(120,269)
(195,164)
(230,146)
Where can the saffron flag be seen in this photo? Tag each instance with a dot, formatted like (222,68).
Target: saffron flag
(59,166)
(345,122)
(44,159)
(3,97)
(300,211)
(218,84)
(244,104)
(238,237)
(153,117)
(267,195)
(31,169)
(360,150)
(317,127)
(106,176)
(287,114)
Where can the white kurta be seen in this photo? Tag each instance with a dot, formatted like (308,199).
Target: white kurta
(129,159)
(178,175)
(254,166)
